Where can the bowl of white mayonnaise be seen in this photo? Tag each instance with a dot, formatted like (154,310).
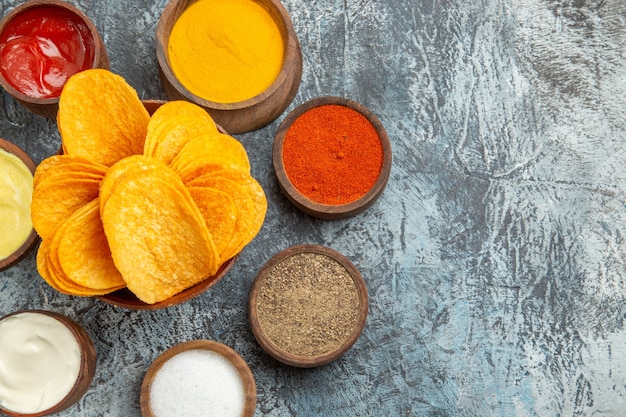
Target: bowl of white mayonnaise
(47,363)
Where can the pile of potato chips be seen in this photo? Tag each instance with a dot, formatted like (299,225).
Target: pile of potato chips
(152,203)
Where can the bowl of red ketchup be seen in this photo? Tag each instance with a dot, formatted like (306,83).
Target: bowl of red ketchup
(42,44)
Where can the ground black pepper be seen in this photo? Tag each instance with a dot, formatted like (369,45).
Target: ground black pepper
(308,304)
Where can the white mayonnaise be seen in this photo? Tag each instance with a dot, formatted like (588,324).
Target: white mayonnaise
(39,362)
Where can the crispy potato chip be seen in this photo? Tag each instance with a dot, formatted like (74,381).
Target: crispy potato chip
(180,131)
(61,185)
(172,125)
(101,118)
(171,110)
(43,267)
(63,164)
(118,171)
(156,129)
(210,153)
(50,270)
(84,254)
(249,198)
(220,215)
(55,200)
(73,175)
(60,279)
(156,233)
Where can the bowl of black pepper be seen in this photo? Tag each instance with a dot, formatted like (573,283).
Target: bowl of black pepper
(308,305)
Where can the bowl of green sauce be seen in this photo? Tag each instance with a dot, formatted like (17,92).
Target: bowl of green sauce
(16,188)
(42,44)
(238,59)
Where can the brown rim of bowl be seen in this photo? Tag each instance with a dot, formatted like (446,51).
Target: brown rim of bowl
(87,370)
(314,208)
(33,237)
(125,298)
(277,352)
(227,352)
(48,107)
(252,113)
(152,105)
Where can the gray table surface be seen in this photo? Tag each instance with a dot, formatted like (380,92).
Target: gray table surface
(495,258)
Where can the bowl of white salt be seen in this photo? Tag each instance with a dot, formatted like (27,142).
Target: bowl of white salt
(200,378)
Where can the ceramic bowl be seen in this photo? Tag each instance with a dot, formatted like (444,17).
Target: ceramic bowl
(32,238)
(87,364)
(246,115)
(242,368)
(306,204)
(48,107)
(279,352)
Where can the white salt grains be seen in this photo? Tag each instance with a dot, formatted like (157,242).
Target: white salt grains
(197,383)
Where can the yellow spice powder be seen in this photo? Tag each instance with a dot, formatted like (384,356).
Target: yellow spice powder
(226,51)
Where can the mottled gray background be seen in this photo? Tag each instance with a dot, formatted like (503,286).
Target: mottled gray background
(495,258)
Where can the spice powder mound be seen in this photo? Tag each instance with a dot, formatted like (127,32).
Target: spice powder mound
(308,304)
(332,154)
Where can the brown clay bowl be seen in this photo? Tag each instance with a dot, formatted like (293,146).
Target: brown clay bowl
(86,371)
(280,353)
(247,378)
(48,107)
(125,298)
(32,238)
(314,208)
(246,115)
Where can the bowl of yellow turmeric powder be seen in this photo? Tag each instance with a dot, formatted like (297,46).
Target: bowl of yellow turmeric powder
(238,59)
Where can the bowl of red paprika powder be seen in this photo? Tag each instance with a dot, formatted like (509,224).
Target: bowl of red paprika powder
(332,157)
(42,44)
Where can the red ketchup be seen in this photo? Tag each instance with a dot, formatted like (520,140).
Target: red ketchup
(42,47)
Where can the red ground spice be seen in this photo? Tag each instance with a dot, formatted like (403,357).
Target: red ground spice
(332,154)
